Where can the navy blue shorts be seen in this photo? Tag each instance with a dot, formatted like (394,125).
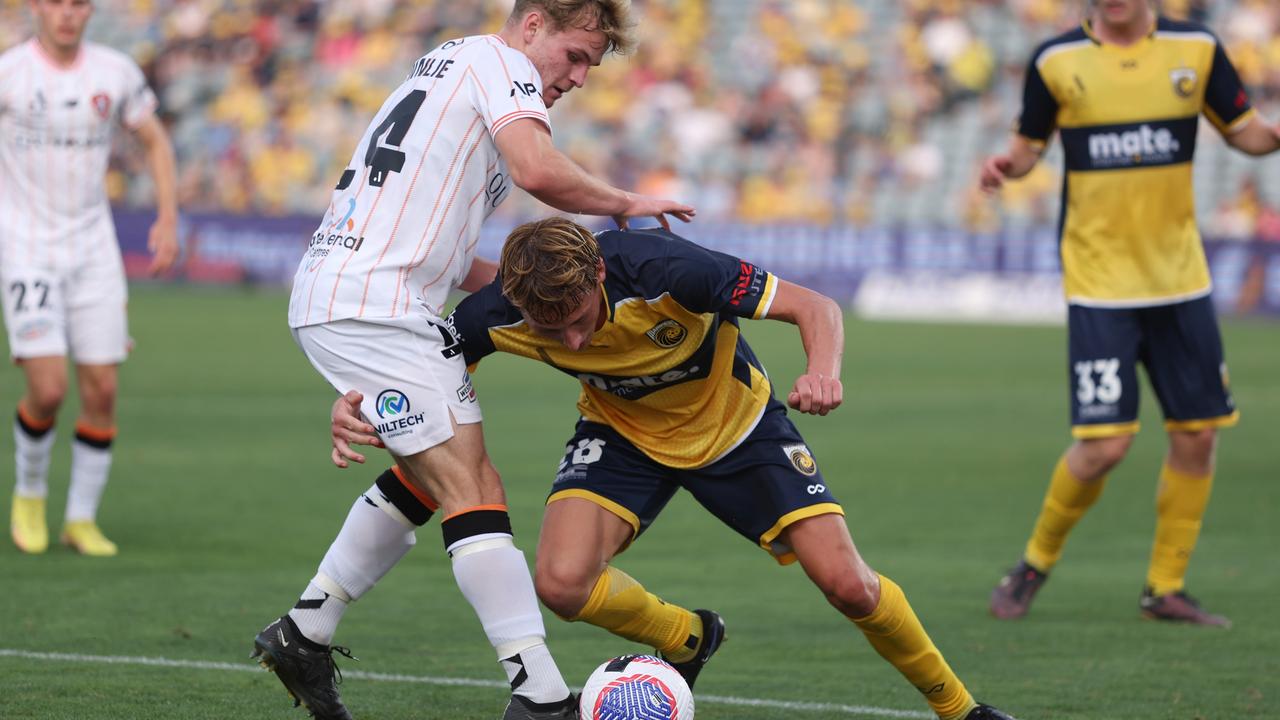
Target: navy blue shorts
(768,482)
(1181,349)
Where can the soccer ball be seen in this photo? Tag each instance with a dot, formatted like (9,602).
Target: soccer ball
(636,687)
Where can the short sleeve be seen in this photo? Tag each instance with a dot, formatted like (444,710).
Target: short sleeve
(1039,107)
(505,87)
(704,280)
(471,319)
(1225,99)
(138,102)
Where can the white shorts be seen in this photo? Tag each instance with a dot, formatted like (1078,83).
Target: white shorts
(78,311)
(409,369)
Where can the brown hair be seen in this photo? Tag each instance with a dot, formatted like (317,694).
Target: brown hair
(548,267)
(611,17)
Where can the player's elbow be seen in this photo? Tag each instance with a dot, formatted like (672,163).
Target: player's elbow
(826,313)
(534,178)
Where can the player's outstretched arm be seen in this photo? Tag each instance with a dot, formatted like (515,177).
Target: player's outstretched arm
(163,238)
(818,391)
(1257,137)
(555,179)
(347,429)
(1016,162)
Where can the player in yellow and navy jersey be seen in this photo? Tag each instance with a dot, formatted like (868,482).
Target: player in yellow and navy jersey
(1125,93)
(673,397)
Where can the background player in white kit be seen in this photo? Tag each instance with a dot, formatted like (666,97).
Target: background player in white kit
(63,279)
(400,233)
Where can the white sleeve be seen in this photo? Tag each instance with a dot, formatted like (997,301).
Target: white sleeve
(505,87)
(138,102)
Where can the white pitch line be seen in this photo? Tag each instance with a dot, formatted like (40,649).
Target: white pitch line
(853,710)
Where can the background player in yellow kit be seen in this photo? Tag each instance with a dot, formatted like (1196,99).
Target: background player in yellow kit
(1125,92)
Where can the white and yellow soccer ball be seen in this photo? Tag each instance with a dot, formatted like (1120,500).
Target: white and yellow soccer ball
(636,687)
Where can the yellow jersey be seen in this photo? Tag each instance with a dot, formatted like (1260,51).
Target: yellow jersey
(1128,118)
(669,370)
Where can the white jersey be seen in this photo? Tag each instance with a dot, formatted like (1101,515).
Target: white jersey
(403,224)
(55,138)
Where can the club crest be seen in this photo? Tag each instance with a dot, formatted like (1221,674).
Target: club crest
(1184,81)
(102,103)
(667,334)
(801,459)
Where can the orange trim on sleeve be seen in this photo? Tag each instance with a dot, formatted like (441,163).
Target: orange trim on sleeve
(422,497)
(86,430)
(475,508)
(38,425)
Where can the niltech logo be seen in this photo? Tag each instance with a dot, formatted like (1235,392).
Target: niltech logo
(667,334)
(391,402)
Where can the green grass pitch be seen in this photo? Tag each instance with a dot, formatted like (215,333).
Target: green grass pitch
(223,501)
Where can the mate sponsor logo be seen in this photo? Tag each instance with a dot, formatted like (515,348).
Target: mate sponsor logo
(1148,144)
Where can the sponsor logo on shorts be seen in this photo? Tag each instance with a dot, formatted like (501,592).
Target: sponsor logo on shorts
(392,402)
(393,405)
(667,334)
(467,393)
(801,459)
(1099,410)
(35,329)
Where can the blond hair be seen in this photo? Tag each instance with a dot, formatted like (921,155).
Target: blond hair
(548,267)
(611,17)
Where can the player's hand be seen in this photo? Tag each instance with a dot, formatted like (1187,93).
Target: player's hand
(994,172)
(162,241)
(647,206)
(347,429)
(816,394)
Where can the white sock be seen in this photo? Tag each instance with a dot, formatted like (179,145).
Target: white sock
(89,468)
(317,613)
(31,461)
(372,540)
(494,577)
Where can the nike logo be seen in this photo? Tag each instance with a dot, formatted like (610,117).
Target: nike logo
(283,642)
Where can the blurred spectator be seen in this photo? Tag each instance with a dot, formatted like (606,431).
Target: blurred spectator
(817,111)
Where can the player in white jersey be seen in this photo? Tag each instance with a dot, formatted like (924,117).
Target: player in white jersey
(62,277)
(468,123)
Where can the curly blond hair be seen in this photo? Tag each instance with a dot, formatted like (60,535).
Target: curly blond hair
(611,17)
(548,267)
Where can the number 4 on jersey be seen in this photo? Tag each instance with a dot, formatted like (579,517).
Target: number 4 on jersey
(382,159)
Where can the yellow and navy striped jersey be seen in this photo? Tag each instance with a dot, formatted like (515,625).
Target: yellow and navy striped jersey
(1128,118)
(669,369)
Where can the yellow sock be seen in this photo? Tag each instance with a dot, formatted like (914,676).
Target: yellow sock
(896,633)
(1180,503)
(1067,500)
(621,605)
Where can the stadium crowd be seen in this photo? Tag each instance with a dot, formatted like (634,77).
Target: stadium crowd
(765,111)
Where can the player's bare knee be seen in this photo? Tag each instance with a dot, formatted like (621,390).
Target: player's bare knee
(1100,455)
(564,590)
(45,397)
(1193,447)
(853,593)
